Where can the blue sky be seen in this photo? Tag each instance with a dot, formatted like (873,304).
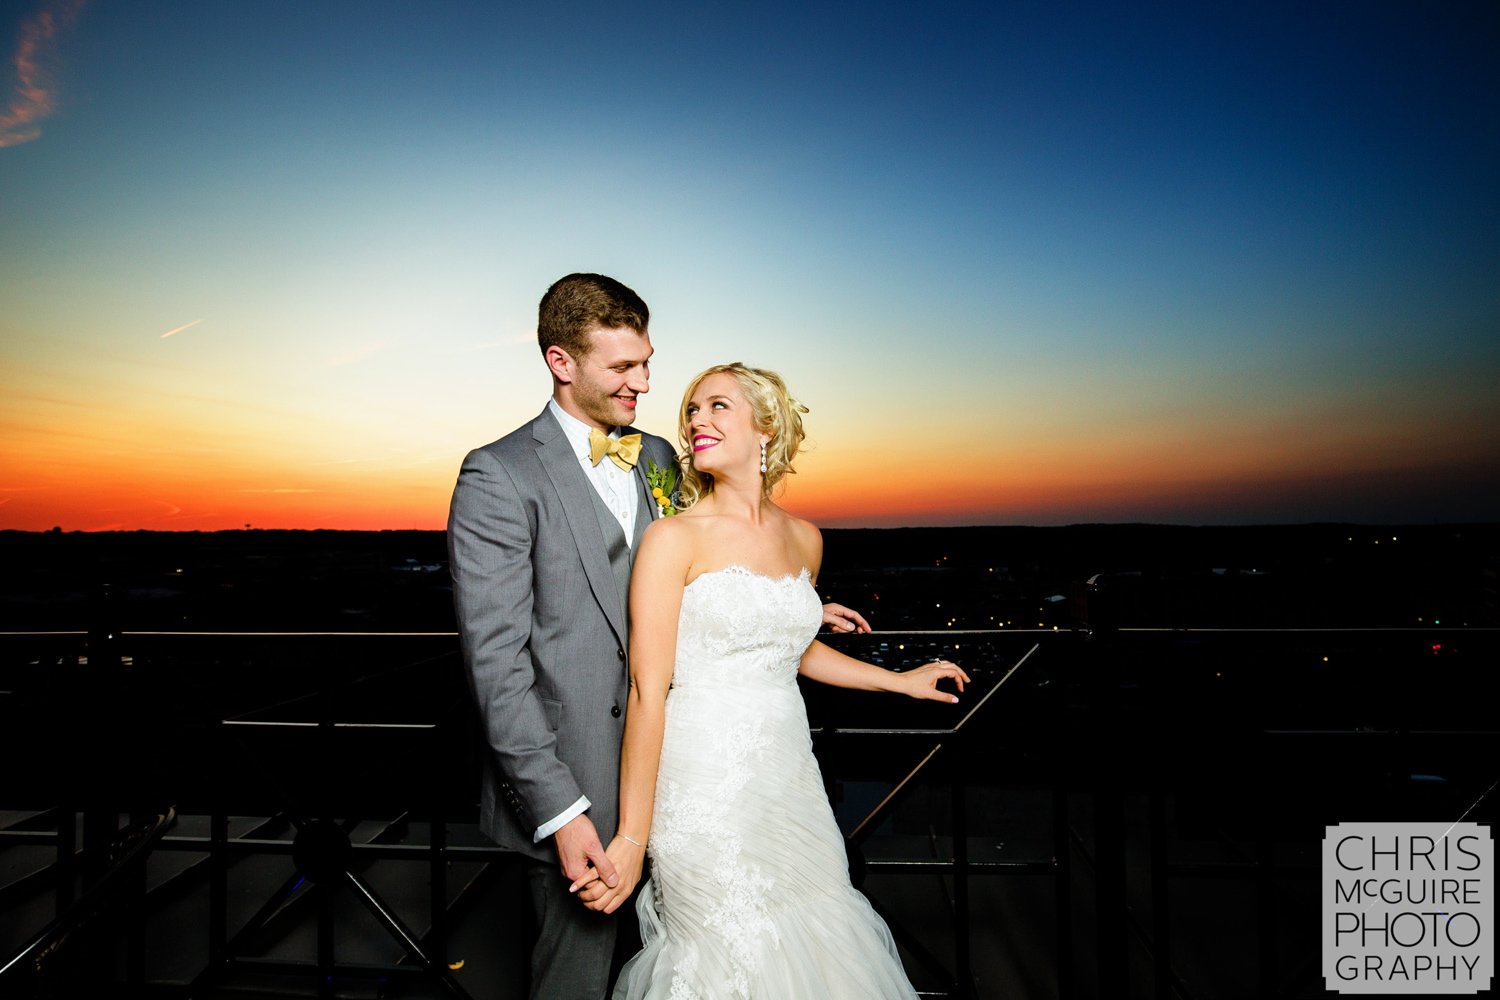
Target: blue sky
(1200,263)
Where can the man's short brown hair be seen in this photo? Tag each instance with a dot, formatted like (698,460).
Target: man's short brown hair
(578,304)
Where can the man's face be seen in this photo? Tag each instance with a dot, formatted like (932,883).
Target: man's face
(607,380)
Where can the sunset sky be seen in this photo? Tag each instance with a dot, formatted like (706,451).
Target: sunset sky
(277,263)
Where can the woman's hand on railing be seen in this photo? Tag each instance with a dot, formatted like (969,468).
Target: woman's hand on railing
(924,680)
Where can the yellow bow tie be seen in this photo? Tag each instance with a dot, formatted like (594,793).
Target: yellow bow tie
(623,450)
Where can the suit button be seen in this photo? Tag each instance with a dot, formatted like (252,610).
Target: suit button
(614,710)
(620,653)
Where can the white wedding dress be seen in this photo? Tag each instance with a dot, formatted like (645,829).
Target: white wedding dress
(749,895)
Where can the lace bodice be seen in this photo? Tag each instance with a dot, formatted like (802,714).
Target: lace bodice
(741,627)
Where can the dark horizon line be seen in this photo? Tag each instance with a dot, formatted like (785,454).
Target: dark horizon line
(900,527)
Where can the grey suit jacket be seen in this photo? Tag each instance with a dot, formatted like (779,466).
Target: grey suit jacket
(542,622)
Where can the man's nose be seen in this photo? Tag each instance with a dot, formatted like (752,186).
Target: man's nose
(639,379)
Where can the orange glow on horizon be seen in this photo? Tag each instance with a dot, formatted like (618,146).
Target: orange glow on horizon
(107,460)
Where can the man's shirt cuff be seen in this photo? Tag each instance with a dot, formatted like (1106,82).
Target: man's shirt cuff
(557,822)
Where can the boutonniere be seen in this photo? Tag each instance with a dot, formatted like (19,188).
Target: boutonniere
(663,483)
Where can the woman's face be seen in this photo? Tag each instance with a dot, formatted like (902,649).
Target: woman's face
(721,427)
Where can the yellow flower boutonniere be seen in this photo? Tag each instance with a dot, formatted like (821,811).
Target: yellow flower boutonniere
(663,483)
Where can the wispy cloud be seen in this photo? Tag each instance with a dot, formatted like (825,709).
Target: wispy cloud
(185,326)
(34,98)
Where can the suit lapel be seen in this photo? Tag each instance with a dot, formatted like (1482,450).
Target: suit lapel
(647,511)
(577,498)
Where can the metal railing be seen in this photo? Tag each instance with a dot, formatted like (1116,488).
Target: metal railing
(1197,728)
(58,949)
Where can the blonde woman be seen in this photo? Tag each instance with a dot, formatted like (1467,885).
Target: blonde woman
(750,894)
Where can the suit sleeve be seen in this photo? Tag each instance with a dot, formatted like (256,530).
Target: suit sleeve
(490,556)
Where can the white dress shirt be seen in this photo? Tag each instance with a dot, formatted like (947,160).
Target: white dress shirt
(618,489)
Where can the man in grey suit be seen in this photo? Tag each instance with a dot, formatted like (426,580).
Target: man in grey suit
(540,533)
(540,536)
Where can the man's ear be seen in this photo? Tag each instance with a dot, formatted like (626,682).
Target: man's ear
(561,364)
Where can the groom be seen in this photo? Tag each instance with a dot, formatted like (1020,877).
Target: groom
(541,532)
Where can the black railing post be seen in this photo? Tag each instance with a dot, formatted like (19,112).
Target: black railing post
(1109,886)
(98,700)
(218,886)
(438,886)
(323,894)
(1109,800)
(1062,884)
(962,962)
(322,884)
(134,894)
(1161,923)
(1265,892)
(67,847)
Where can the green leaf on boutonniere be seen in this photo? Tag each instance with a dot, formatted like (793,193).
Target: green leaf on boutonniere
(663,484)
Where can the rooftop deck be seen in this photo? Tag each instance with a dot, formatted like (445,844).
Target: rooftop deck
(1110,812)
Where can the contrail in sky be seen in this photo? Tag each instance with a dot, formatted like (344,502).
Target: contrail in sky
(185,326)
(33,99)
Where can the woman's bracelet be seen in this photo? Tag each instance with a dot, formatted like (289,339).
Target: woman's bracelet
(637,843)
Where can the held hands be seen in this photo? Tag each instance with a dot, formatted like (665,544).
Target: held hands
(841,619)
(581,855)
(628,858)
(923,681)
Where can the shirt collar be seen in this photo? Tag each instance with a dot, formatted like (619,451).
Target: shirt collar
(575,430)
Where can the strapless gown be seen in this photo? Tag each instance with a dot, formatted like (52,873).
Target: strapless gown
(749,896)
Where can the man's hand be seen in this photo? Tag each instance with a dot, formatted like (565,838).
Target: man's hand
(840,619)
(580,853)
(607,899)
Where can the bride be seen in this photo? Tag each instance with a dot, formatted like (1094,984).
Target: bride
(749,895)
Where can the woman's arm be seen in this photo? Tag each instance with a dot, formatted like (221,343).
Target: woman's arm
(828,666)
(656,585)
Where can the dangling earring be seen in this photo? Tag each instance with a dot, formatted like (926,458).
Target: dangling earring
(762,458)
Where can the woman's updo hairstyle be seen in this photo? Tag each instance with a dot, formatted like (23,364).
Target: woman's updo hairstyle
(775,413)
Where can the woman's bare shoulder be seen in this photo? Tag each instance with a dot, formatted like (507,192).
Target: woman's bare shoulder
(674,535)
(807,540)
(804,531)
